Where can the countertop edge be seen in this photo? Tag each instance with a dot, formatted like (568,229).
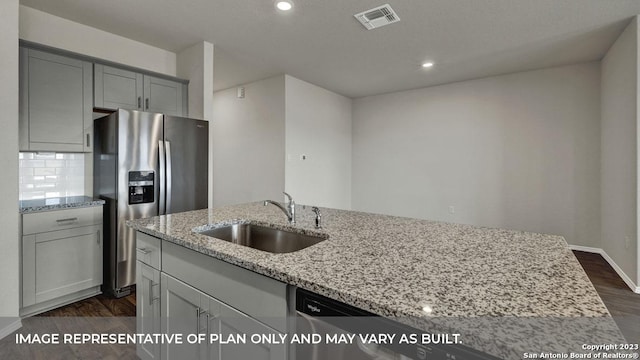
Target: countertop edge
(46,208)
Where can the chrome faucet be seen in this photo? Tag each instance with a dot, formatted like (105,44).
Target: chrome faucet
(290,210)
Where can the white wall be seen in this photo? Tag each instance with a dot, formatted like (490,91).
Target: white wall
(196,63)
(318,125)
(517,151)
(46,29)
(619,152)
(248,143)
(9,280)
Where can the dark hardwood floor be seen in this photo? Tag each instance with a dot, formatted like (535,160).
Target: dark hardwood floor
(102,314)
(623,304)
(97,315)
(101,305)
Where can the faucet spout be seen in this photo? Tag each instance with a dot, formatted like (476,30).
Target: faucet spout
(289,211)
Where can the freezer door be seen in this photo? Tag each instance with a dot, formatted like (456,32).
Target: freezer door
(187,154)
(139,138)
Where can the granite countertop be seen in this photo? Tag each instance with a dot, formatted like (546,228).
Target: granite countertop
(417,271)
(50,204)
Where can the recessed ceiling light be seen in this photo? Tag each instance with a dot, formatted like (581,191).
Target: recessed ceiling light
(427,65)
(284,5)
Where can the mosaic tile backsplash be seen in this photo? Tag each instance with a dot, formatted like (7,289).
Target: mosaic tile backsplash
(49,175)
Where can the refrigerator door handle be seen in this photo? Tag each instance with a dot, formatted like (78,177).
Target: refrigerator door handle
(161,177)
(168,177)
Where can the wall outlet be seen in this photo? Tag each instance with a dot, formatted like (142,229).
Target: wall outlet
(627,242)
(452,209)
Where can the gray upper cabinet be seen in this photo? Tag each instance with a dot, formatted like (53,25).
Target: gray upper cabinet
(118,88)
(55,103)
(164,96)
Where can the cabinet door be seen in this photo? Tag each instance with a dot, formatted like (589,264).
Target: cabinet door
(147,308)
(226,321)
(59,263)
(164,96)
(117,88)
(182,313)
(55,101)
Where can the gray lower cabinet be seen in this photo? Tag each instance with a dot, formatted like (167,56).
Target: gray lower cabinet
(183,310)
(55,102)
(119,88)
(228,321)
(186,310)
(61,258)
(148,293)
(203,295)
(147,308)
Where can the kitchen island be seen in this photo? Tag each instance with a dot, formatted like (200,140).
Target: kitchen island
(430,275)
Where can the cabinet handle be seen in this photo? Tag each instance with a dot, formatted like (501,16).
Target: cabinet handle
(98,238)
(198,313)
(208,320)
(151,292)
(146,103)
(60,221)
(144,251)
(139,102)
(88,140)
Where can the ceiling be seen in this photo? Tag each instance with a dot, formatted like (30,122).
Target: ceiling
(321,42)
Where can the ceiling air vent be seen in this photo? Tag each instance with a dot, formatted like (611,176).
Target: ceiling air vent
(377,17)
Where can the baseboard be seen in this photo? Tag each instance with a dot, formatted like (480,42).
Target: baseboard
(7,330)
(635,288)
(586,249)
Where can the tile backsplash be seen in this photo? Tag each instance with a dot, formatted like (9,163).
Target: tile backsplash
(48,175)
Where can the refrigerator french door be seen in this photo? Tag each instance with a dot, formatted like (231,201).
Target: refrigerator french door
(145,164)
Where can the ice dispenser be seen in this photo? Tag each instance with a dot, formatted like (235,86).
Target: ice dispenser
(141,187)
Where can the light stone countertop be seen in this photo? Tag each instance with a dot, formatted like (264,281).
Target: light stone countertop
(60,203)
(471,278)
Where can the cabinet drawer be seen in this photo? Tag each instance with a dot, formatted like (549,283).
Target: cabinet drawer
(61,220)
(148,249)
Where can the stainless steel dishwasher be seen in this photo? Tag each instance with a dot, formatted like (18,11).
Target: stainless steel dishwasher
(316,314)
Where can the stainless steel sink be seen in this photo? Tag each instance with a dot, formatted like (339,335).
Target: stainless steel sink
(263,238)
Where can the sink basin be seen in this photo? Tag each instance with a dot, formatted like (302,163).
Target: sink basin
(263,238)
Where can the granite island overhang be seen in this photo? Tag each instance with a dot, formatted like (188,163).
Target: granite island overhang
(506,291)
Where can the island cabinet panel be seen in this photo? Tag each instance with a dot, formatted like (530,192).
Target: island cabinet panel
(230,324)
(199,294)
(253,294)
(186,310)
(148,250)
(61,263)
(183,309)
(116,88)
(55,102)
(147,308)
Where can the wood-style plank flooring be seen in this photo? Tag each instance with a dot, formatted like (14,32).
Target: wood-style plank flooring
(97,315)
(623,304)
(100,305)
(102,314)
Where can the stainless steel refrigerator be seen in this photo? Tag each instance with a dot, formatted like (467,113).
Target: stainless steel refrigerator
(145,164)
